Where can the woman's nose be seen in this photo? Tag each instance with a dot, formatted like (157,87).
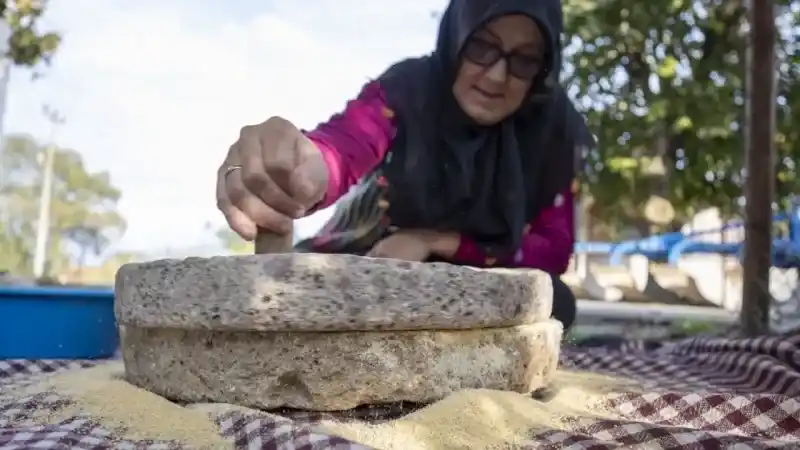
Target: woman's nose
(498,71)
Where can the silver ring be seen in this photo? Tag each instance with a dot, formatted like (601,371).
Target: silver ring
(230,168)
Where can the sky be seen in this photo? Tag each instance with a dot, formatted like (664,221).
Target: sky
(155,92)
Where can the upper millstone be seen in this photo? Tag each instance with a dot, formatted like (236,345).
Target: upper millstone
(314,292)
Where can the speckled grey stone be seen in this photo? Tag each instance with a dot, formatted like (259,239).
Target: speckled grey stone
(337,371)
(312,292)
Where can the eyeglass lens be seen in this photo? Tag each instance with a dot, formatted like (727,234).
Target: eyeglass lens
(488,54)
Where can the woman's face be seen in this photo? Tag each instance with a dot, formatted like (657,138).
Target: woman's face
(498,65)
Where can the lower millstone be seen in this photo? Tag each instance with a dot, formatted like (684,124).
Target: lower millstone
(337,371)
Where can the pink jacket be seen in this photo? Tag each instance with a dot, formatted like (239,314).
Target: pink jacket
(354,141)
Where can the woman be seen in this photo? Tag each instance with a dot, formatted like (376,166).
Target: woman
(469,154)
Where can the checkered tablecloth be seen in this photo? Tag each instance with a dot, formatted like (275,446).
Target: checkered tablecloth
(707,393)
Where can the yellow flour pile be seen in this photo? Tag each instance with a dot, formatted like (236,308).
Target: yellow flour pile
(486,420)
(130,412)
(475,419)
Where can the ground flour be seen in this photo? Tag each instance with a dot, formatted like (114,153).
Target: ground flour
(131,413)
(487,420)
(476,419)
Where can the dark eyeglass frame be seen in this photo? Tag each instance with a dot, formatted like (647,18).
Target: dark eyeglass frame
(518,65)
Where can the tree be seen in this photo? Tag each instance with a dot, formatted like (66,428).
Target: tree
(27,45)
(81,201)
(88,239)
(99,275)
(756,298)
(662,85)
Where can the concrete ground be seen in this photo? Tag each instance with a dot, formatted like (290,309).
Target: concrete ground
(652,311)
(646,320)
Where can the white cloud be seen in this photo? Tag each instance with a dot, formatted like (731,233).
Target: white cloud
(155,91)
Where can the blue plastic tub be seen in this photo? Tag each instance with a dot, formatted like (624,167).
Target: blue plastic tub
(40,322)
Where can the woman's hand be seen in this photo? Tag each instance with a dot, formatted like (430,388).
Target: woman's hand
(272,174)
(416,245)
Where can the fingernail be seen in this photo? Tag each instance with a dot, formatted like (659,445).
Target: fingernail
(300,213)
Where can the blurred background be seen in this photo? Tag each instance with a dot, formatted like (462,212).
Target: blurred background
(117,113)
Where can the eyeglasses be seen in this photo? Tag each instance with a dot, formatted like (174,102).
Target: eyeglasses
(487,54)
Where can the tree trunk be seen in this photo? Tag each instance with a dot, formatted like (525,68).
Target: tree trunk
(760,164)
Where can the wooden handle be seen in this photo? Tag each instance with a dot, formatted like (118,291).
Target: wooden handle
(269,242)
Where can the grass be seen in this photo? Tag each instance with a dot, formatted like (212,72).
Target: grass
(676,330)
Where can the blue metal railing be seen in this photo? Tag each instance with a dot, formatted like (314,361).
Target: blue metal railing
(669,247)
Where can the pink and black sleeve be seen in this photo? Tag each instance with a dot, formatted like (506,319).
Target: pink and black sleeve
(354,141)
(547,243)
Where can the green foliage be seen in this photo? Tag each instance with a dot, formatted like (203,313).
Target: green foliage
(83,210)
(233,243)
(665,79)
(28,45)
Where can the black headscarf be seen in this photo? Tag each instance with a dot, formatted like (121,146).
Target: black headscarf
(447,173)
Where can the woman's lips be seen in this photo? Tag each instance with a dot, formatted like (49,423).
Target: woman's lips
(489,96)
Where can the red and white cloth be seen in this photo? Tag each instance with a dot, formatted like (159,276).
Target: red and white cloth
(707,393)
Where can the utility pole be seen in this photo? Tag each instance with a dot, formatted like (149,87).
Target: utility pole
(5,74)
(760,165)
(45,200)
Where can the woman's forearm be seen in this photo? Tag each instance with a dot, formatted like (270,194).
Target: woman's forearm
(354,141)
(470,253)
(547,250)
(547,243)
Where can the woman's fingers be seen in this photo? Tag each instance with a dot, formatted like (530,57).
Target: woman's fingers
(261,155)
(303,187)
(254,208)
(309,179)
(272,174)
(375,251)
(237,220)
